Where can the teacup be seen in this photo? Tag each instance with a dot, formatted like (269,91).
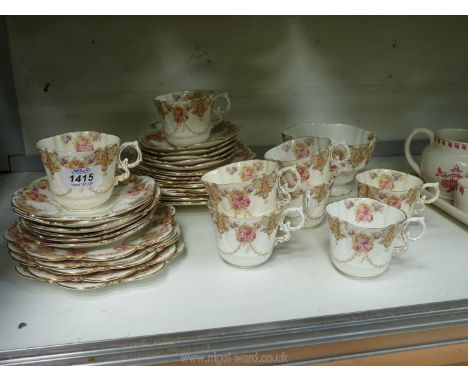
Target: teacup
(361,144)
(249,188)
(313,202)
(397,189)
(248,242)
(363,235)
(461,195)
(188,115)
(81,167)
(312,158)
(317,168)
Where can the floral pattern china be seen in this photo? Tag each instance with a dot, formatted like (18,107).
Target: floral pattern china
(38,200)
(397,189)
(361,145)
(248,188)
(189,116)
(81,167)
(248,242)
(156,140)
(158,230)
(444,160)
(363,235)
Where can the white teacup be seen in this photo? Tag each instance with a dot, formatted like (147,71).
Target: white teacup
(313,202)
(317,167)
(397,189)
(363,235)
(249,188)
(360,142)
(188,115)
(248,242)
(461,195)
(81,167)
(313,158)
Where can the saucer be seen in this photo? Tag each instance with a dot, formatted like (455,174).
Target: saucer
(158,230)
(157,141)
(37,201)
(181,183)
(140,272)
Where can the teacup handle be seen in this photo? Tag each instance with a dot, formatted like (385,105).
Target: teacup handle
(405,234)
(423,198)
(217,111)
(286,226)
(307,202)
(339,164)
(284,187)
(408,140)
(123,164)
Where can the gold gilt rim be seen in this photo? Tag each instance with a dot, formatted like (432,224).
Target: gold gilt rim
(130,278)
(85,274)
(169,239)
(93,219)
(71,264)
(191,162)
(91,236)
(183,150)
(203,145)
(82,245)
(81,268)
(170,158)
(108,226)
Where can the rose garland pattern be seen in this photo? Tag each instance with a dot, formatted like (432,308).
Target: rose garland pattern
(194,103)
(362,242)
(102,156)
(393,200)
(239,199)
(245,234)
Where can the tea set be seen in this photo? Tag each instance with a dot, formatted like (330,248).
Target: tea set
(90,223)
(84,226)
(191,139)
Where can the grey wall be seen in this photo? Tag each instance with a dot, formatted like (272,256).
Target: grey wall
(387,74)
(10,138)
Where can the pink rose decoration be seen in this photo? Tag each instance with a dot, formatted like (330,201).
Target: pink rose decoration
(387,185)
(303,172)
(393,201)
(246,235)
(362,243)
(248,173)
(302,151)
(180,114)
(365,214)
(84,145)
(239,200)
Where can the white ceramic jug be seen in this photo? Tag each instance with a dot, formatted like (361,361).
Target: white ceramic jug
(445,160)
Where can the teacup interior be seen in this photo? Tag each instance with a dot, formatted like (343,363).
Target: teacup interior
(79,141)
(296,149)
(337,132)
(366,213)
(389,180)
(240,171)
(188,95)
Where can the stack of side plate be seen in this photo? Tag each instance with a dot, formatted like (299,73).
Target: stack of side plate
(129,237)
(179,170)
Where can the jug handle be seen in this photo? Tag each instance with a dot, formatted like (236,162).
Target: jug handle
(408,140)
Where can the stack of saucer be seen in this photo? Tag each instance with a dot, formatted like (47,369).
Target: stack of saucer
(129,237)
(178,170)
